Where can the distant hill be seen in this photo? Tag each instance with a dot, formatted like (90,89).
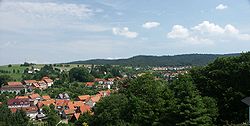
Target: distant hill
(143,60)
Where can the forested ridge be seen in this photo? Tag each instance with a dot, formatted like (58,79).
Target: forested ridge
(176,60)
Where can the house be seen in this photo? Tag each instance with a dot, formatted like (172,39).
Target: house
(48,81)
(75,117)
(63,96)
(61,103)
(29,82)
(99,80)
(68,113)
(85,108)
(46,97)
(40,115)
(35,85)
(18,103)
(104,93)
(109,81)
(21,97)
(83,97)
(92,100)
(14,87)
(89,84)
(46,103)
(31,111)
(42,85)
(34,98)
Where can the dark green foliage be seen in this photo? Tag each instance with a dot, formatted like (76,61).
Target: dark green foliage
(25,64)
(4,79)
(228,81)
(84,118)
(177,60)
(145,101)
(52,115)
(111,110)
(12,119)
(191,108)
(80,74)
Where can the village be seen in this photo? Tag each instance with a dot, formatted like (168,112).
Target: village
(68,108)
(70,99)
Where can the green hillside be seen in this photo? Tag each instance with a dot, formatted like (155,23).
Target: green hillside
(176,60)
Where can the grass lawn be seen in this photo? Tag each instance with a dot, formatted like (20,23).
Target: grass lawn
(17,76)
(13,71)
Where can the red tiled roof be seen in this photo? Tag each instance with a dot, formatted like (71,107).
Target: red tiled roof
(61,102)
(48,80)
(99,79)
(78,103)
(14,83)
(30,109)
(29,81)
(77,115)
(69,111)
(34,96)
(83,97)
(90,84)
(24,101)
(21,97)
(46,97)
(71,105)
(96,98)
(41,82)
(48,102)
(36,85)
(85,108)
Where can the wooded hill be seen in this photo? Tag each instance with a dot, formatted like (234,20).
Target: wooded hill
(143,60)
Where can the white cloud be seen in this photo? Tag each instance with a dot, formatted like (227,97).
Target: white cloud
(47,9)
(178,31)
(207,27)
(124,32)
(29,16)
(149,25)
(206,32)
(221,7)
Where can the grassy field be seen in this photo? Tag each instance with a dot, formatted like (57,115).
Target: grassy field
(16,71)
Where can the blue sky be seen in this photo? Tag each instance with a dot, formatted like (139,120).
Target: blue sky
(52,31)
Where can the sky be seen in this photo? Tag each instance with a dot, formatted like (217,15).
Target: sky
(57,31)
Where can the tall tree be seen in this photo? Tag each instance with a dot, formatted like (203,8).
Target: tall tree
(228,81)
(80,74)
(191,109)
(4,79)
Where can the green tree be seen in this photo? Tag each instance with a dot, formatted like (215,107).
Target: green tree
(4,79)
(52,115)
(84,118)
(19,118)
(80,74)
(191,109)
(227,81)
(111,110)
